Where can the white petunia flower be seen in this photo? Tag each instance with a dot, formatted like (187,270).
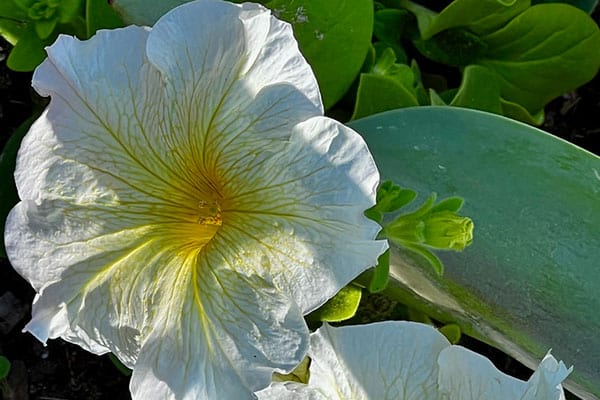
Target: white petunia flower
(184,201)
(410,361)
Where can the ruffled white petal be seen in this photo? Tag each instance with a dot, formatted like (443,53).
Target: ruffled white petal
(406,360)
(383,361)
(306,218)
(245,330)
(468,375)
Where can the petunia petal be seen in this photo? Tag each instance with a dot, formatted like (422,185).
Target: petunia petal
(224,82)
(468,375)
(388,360)
(325,161)
(235,346)
(408,360)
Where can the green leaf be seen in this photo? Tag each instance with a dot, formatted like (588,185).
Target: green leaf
(377,93)
(119,365)
(434,262)
(381,273)
(391,197)
(143,12)
(340,307)
(452,332)
(530,280)
(28,52)
(456,46)
(479,89)
(44,27)
(518,112)
(300,374)
(4,367)
(99,15)
(436,99)
(542,53)
(70,9)
(8,189)
(390,24)
(452,204)
(333,35)
(13,21)
(478,16)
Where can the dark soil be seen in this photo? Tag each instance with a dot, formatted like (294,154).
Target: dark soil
(64,371)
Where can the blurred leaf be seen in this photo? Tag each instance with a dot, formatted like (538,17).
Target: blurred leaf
(530,280)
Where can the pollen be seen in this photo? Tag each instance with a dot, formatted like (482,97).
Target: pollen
(210,213)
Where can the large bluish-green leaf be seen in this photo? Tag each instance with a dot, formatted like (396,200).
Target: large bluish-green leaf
(531,279)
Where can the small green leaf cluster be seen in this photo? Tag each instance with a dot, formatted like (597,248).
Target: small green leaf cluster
(433,226)
(31,25)
(513,57)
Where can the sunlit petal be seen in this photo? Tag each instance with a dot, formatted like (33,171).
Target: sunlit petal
(407,360)
(184,202)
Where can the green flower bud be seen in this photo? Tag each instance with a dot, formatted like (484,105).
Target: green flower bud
(439,230)
(446,230)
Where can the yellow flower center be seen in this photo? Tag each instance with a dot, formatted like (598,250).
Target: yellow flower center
(214,216)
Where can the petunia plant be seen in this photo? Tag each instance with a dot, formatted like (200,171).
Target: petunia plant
(221,208)
(186,206)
